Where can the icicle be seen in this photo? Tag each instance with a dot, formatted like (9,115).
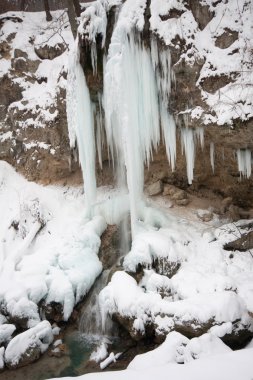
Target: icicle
(99,131)
(244,162)
(80,122)
(93,52)
(188,146)
(161,61)
(212,155)
(169,132)
(200,136)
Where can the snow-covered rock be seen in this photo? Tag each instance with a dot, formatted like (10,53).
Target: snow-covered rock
(29,345)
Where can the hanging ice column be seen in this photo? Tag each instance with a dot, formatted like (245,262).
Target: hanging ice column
(135,104)
(131,110)
(81,127)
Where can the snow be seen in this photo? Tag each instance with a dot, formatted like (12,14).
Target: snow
(234,100)
(52,244)
(111,358)
(214,361)
(39,336)
(208,285)
(100,353)
(6,331)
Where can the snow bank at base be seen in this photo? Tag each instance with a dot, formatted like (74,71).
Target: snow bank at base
(215,361)
(49,251)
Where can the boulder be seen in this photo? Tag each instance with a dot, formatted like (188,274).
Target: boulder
(28,346)
(155,188)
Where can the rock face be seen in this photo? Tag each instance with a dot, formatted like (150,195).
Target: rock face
(33,123)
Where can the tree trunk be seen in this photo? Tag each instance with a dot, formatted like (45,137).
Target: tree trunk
(22,5)
(47,10)
(72,17)
(77,7)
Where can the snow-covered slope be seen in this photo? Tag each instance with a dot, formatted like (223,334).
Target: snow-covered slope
(48,251)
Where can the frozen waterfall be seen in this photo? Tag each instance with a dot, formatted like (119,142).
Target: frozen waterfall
(132,113)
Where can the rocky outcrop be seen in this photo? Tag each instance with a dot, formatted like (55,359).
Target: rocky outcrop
(50,52)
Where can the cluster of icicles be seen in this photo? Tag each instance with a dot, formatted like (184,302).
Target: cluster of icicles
(134,108)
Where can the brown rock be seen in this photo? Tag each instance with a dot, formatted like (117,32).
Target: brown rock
(244,243)
(31,354)
(179,195)
(155,189)
(50,52)
(226,39)
(182,202)
(226,202)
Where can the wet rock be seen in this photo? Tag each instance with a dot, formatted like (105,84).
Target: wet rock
(50,52)
(240,336)
(128,324)
(59,351)
(52,311)
(20,322)
(155,189)
(109,248)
